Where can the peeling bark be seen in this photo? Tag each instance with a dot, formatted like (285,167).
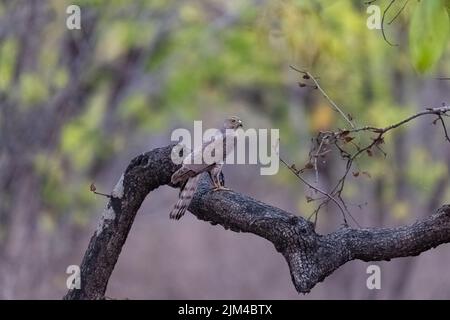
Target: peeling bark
(311,257)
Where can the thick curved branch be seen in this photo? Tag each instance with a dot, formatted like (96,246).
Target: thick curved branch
(310,256)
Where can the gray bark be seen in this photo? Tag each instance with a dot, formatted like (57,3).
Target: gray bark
(311,257)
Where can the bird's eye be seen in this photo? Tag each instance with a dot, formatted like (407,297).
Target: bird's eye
(233,120)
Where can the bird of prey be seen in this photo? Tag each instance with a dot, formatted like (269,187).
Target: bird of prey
(194,164)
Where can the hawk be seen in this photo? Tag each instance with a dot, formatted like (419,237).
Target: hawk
(194,164)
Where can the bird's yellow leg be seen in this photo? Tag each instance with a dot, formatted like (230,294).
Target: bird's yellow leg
(221,188)
(217,185)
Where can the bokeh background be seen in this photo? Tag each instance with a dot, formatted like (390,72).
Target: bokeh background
(77,105)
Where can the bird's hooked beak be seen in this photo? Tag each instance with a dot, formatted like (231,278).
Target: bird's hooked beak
(240,125)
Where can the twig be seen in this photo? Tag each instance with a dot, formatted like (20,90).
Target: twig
(102,194)
(315,161)
(325,138)
(93,189)
(330,197)
(337,190)
(444,128)
(440,111)
(399,11)
(382,24)
(316,83)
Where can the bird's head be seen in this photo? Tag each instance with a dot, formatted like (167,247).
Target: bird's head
(232,123)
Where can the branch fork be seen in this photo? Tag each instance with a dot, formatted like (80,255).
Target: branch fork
(311,257)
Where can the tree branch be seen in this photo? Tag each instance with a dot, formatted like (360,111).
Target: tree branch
(311,257)
(325,140)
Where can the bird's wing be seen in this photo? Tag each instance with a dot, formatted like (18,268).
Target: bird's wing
(195,161)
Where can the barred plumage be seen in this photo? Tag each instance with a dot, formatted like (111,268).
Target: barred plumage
(186,196)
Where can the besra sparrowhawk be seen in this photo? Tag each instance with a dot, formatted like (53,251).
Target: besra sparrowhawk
(195,163)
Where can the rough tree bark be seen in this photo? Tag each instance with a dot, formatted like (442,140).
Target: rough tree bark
(311,257)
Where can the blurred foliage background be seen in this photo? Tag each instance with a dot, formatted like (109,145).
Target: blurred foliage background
(77,105)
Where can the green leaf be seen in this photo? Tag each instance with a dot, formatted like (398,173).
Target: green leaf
(32,89)
(428,33)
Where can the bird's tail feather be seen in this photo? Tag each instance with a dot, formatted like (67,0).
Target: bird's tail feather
(186,196)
